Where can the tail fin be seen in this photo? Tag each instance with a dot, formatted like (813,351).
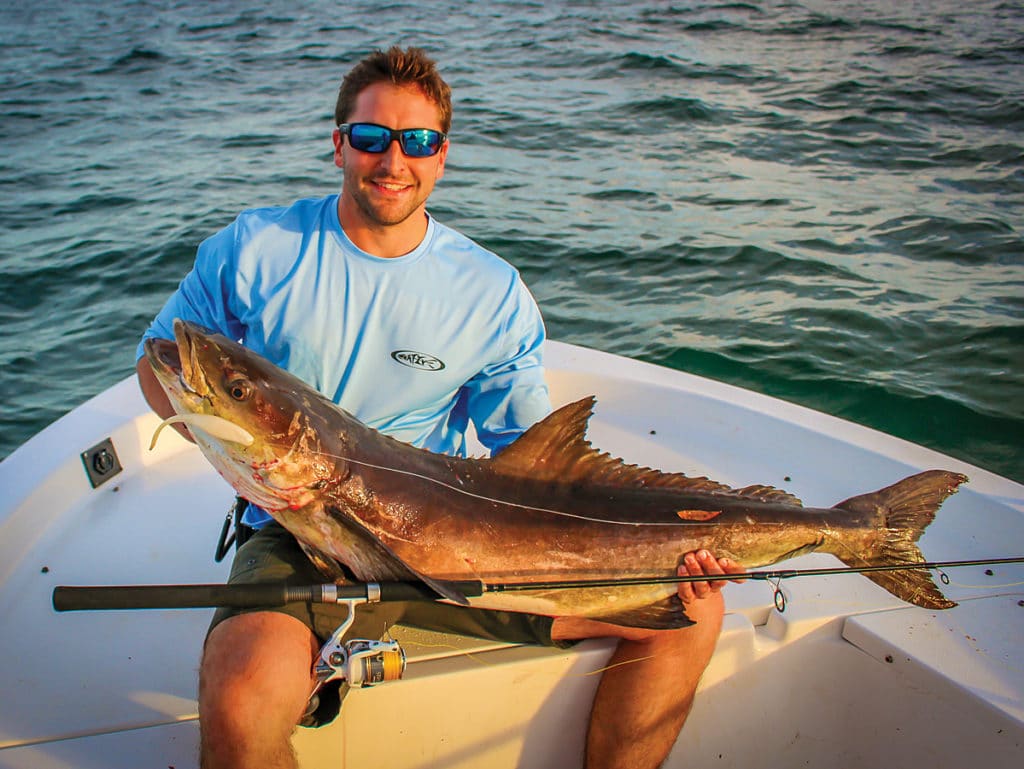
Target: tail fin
(904,510)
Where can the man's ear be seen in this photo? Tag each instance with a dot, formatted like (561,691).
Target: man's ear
(339,143)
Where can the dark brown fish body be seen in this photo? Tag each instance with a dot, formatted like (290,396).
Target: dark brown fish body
(549,507)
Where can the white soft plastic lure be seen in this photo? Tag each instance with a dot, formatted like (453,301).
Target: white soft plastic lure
(216,426)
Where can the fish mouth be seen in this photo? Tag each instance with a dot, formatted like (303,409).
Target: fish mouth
(192,374)
(242,455)
(165,361)
(163,356)
(176,363)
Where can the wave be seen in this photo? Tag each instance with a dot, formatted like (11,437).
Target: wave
(818,201)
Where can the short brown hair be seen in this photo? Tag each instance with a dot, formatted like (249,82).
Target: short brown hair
(411,67)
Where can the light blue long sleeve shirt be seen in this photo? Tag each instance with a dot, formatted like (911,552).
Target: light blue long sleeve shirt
(416,346)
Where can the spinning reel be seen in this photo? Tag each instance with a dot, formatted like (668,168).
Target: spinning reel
(359,661)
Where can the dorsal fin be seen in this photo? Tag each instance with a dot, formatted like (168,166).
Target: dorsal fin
(769,494)
(556,449)
(551,447)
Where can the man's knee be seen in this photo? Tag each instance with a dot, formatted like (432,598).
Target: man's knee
(256,669)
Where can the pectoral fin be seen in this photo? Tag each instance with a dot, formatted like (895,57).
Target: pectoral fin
(372,560)
(329,567)
(444,589)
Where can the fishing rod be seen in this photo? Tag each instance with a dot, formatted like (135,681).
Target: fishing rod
(770,575)
(776,576)
(107,597)
(366,662)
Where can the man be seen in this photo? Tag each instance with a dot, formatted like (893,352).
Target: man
(329,289)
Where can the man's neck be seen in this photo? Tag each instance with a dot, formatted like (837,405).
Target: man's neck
(385,241)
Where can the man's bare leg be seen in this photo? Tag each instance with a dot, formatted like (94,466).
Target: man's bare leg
(254,683)
(641,705)
(255,680)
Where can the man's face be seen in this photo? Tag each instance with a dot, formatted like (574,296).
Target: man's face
(388,188)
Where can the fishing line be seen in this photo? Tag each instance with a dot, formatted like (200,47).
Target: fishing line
(549,511)
(772,575)
(485,498)
(779,597)
(238,434)
(450,487)
(473,656)
(984,587)
(614,665)
(764,575)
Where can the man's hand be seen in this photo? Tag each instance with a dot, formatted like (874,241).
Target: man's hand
(702,563)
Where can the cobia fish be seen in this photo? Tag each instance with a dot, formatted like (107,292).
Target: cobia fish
(548,507)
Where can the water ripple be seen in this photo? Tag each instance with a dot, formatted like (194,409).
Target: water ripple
(818,201)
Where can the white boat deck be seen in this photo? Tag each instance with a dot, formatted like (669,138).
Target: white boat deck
(846,676)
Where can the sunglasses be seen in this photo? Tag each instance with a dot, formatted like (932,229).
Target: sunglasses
(415,142)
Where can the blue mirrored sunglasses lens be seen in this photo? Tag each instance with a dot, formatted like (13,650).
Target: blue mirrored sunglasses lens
(369,138)
(420,142)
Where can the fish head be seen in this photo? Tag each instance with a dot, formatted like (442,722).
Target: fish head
(281,463)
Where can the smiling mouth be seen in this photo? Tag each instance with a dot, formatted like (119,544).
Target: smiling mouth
(390,186)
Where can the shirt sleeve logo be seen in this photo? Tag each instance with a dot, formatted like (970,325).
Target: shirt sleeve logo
(418,360)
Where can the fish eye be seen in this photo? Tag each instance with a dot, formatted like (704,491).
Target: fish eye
(239,389)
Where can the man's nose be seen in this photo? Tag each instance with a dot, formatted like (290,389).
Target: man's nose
(393,157)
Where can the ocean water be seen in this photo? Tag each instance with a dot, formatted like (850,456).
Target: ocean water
(820,200)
